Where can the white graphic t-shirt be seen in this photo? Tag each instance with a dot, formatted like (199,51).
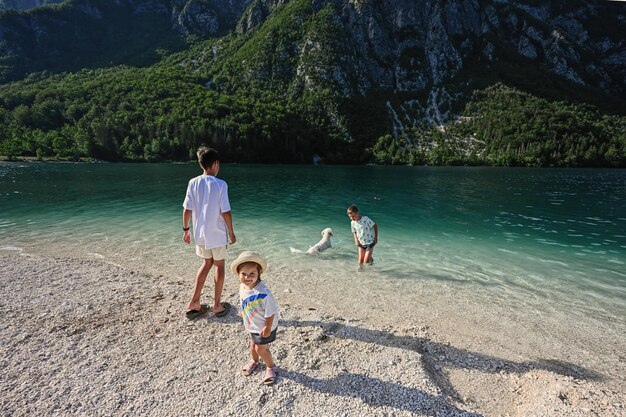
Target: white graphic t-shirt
(364,229)
(257,304)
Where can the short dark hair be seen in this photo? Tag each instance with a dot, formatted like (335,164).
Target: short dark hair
(353,208)
(207,157)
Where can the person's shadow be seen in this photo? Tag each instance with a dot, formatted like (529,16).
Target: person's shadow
(379,393)
(434,356)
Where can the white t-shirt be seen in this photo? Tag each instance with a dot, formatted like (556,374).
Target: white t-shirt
(207,198)
(364,229)
(256,305)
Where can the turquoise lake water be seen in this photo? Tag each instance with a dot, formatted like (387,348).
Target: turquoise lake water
(508,236)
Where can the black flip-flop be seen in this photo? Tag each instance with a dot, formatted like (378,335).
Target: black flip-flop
(223,312)
(194,314)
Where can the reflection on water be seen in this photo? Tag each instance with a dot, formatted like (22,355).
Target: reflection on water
(508,235)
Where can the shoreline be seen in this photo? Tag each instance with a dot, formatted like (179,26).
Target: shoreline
(88,160)
(85,336)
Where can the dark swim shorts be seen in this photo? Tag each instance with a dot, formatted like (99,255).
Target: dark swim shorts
(367,247)
(256,338)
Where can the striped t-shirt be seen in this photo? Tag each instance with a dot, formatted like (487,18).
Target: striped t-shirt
(256,305)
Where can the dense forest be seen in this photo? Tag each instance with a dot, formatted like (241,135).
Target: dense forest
(161,113)
(506,127)
(155,114)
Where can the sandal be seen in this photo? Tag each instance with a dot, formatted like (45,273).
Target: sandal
(270,376)
(250,367)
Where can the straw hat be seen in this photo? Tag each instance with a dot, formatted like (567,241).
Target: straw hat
(248,256)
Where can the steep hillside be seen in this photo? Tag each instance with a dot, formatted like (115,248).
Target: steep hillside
(425,56)
(100,33)
(348,80)
(25,4)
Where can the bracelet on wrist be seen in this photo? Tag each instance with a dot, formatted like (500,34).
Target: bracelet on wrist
(185,228)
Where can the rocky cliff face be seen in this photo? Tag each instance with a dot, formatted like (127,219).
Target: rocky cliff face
(428,51)
(207,17)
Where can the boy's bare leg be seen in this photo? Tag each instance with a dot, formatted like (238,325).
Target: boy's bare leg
(361,258)
(201,275)
(253,352)
(367,258)
(219,285)
(265,354)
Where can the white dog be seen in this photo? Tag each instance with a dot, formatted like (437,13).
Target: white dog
(323,244)
(320,246)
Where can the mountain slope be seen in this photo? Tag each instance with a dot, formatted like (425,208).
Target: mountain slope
(427,48)
(99,33)
(418,63)
(396,81)
(25,4)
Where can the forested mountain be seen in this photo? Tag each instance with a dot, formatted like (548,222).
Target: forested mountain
(25,4)
(439,82)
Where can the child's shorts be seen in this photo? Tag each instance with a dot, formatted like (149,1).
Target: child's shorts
(367,247)
(216,253)
(259,340)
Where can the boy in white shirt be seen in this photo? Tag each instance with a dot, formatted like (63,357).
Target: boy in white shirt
(365,233)
(206,202)
(258,311)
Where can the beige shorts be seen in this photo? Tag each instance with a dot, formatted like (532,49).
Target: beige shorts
(216,253)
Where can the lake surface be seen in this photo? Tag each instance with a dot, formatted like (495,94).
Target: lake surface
(523,238)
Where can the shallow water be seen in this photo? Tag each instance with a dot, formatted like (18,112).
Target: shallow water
(550,240)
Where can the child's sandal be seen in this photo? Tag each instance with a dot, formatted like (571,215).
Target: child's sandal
(270,376)
(249,368)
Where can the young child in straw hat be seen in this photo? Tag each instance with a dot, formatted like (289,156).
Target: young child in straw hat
(258,311)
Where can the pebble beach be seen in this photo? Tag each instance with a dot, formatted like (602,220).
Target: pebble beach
(89,337)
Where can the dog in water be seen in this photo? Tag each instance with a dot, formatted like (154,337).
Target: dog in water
(320,246)
(323,244)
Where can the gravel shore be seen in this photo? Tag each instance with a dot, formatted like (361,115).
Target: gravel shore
(86,337)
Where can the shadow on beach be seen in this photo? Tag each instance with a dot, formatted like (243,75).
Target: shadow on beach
(379,393)
(437,356)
